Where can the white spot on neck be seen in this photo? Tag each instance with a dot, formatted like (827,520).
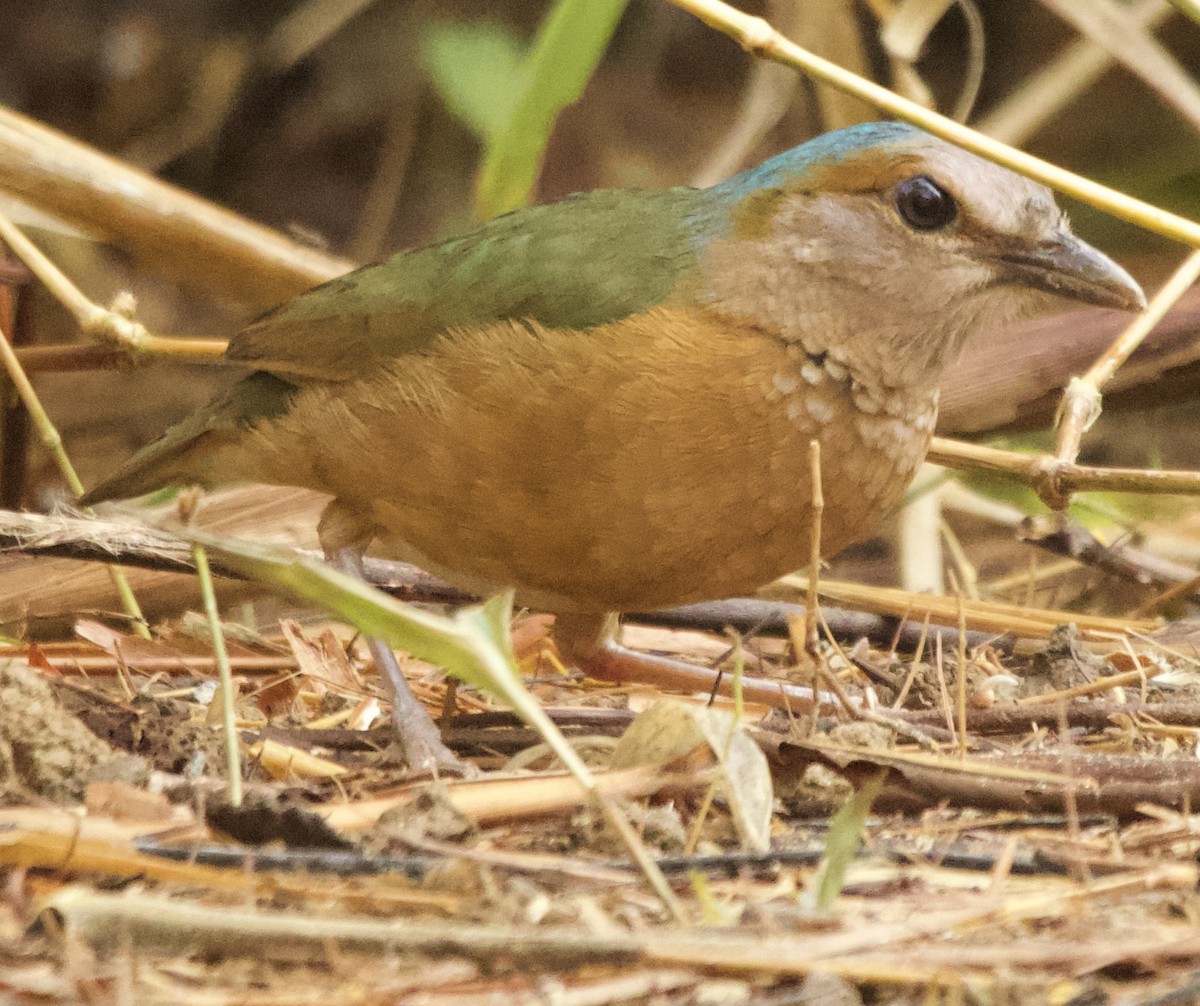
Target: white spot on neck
(785,384)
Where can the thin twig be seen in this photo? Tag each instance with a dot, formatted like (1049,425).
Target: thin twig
(221,654)
(1103,684)
(52,440)
(756,35)
(1081,401)
(1055,480)
(114,326)
(914,666)
(814,558)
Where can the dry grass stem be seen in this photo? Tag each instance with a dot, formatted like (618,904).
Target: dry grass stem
(1080,406)
(913,667)
(233,758)
(1155,604)
(985,616)
(757,36)
(947,705)
(1104,684)
(814,562)
(52,440)
(1029,579)
(966,576)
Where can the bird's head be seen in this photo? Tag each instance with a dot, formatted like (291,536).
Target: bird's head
(890,247)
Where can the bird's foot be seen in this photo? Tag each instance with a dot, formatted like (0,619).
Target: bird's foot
(418,736)
(590,643)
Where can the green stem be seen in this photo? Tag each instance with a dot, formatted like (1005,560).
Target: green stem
(232,753)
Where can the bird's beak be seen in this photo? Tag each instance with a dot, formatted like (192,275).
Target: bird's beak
(1066,266)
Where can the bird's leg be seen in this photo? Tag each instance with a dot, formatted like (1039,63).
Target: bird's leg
(344,539)
(590,643)
(419,736)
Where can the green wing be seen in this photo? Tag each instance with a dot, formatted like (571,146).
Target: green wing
(590,259)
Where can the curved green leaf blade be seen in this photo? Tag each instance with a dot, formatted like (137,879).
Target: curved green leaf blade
(473,645)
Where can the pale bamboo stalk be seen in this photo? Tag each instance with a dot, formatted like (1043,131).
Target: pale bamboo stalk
(170,230)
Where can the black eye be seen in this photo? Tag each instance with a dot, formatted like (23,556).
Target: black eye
(925,205)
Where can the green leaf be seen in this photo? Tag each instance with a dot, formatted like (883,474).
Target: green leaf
(473,644)
(845,836)
(478,69)
(565,53)
(466,648)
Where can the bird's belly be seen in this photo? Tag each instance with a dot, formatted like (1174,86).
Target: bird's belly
(673,543)
(658,486)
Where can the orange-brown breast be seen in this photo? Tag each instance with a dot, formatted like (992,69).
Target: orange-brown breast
(655,461)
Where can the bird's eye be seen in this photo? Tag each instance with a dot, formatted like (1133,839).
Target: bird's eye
(924,205)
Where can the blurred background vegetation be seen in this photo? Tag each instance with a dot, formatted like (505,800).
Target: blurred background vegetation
(306,114)
(360,126)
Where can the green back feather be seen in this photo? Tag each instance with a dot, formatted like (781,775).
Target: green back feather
(590,259)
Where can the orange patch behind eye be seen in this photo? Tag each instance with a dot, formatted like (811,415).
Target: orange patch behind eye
(753,215)
(866,171)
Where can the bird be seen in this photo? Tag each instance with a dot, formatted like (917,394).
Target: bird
(606,403)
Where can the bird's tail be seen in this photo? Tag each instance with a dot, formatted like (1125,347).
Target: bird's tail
(197,450)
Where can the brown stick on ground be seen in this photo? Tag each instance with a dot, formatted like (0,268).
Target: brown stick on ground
(139,545)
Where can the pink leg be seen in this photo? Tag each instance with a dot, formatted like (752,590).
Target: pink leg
(590,643)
